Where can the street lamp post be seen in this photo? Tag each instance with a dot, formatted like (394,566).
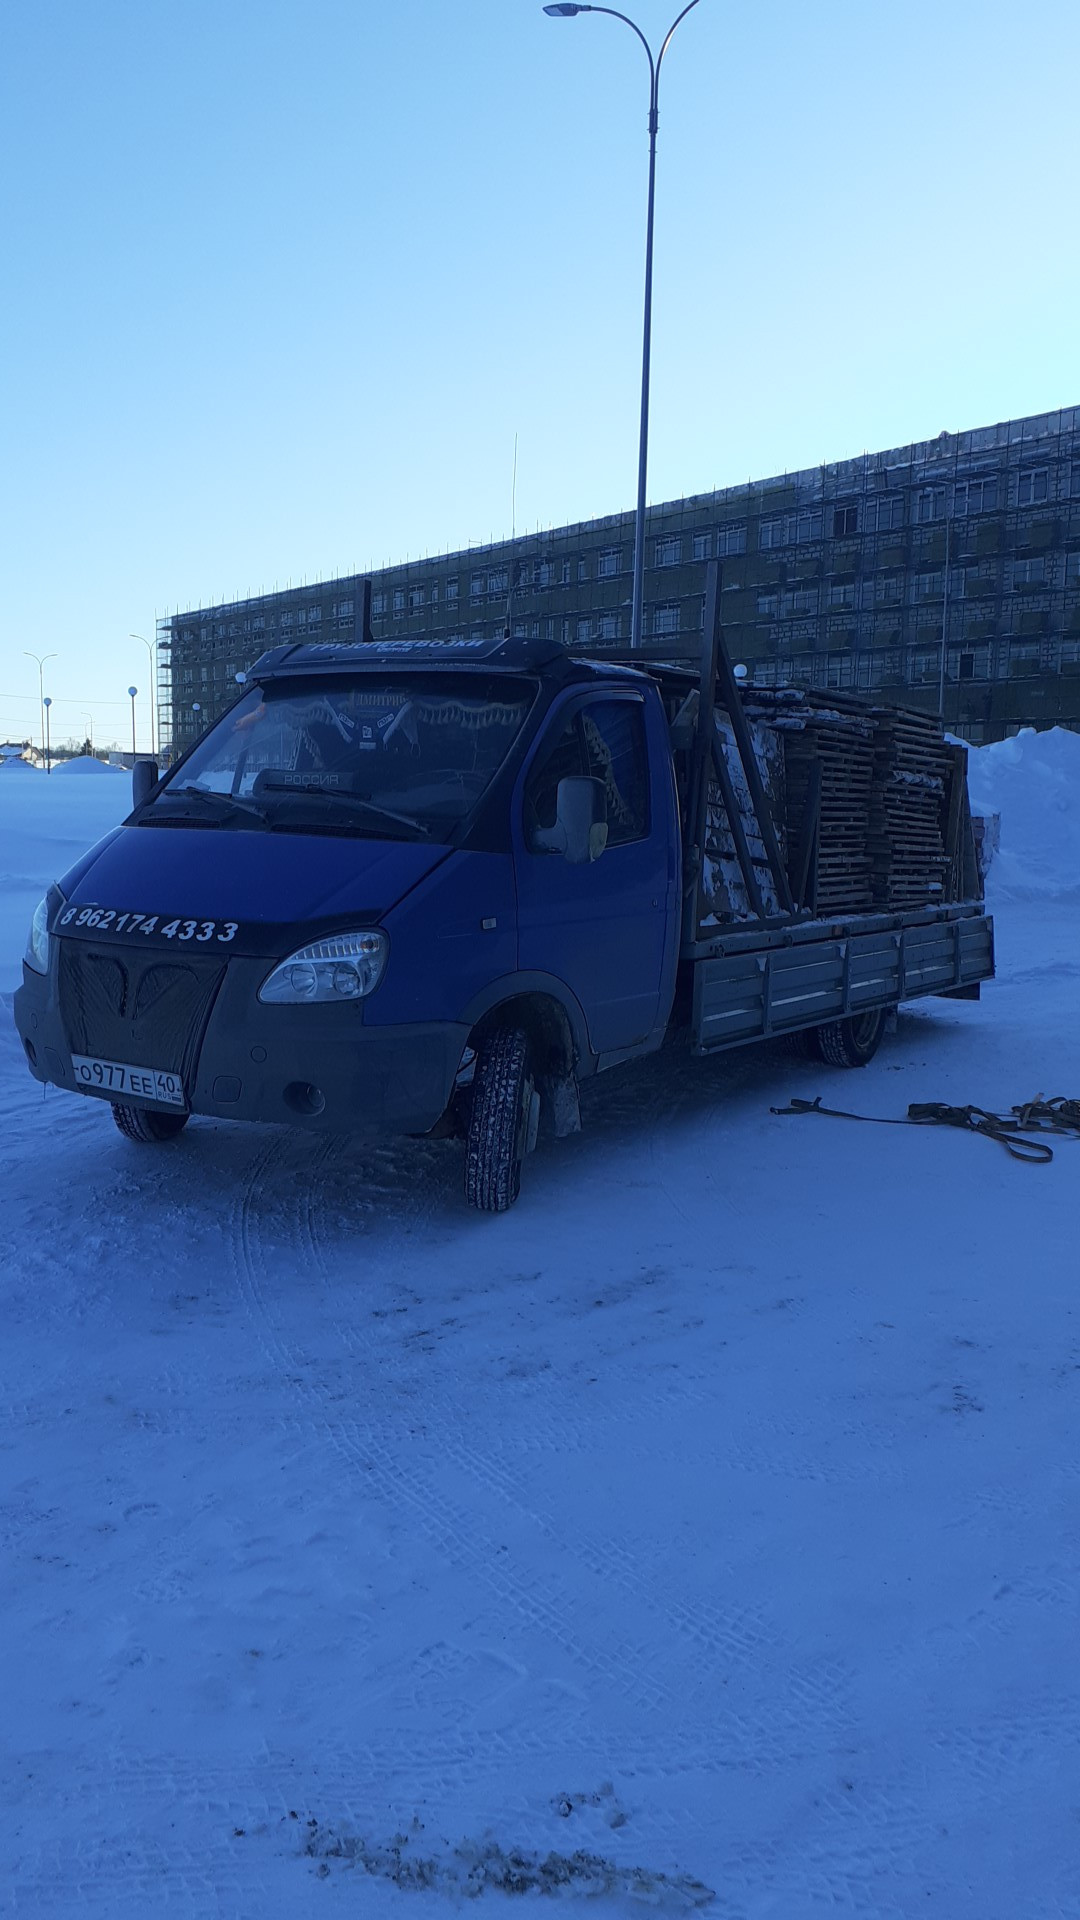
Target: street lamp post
(47,703)
(41,659)
(132,691)
(151,648)
(567,12)
(89,718)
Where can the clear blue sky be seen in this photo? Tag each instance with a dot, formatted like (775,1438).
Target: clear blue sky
(284,281)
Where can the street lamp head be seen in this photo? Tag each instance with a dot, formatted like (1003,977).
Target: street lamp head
(566,12)
(132,691)
(48,700)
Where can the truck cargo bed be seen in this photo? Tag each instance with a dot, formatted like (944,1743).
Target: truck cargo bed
(752,985)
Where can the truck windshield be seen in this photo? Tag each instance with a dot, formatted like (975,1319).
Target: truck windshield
(398,758)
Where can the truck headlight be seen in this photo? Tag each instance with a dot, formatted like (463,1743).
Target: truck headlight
(345,967)
(37,940)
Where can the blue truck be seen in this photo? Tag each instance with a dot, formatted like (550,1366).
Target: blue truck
(405,888)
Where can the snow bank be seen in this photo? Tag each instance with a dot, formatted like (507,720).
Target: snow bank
(1033,782)
(85,763)
(45,825)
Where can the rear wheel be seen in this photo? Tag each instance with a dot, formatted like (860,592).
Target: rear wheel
(146,1125)
(851,1042)
(502,1101)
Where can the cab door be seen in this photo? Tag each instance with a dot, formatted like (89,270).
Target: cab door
(607,929)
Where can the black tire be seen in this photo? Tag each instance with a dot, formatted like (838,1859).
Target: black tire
(852,1042)
(145,1125)
(498,1120)
(803,1044)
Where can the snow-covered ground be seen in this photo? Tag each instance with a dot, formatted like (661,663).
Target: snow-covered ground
(708,1522)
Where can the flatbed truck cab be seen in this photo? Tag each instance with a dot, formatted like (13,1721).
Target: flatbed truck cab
(396,889)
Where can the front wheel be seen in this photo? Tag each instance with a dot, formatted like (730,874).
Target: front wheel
(499,1119)
(852,1042)
(146,1125)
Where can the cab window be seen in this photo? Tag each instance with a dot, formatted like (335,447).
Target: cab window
(604,739)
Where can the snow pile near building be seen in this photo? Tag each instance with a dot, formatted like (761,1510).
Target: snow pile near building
(1033,782)
(85,763)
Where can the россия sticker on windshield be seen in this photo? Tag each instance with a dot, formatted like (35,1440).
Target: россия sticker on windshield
(97,923)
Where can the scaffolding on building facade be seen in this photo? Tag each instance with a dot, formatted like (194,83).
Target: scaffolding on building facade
(945,574)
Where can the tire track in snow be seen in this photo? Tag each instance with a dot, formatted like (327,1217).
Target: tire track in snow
(531,1600)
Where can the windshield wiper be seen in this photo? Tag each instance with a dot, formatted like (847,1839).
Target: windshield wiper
(334,797)
(218,801)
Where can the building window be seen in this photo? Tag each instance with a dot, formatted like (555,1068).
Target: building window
(839,671)
(793,528)
(564,573)
(888,589)
(434,593)
(703,546)
(476,586)
(925,665)
(666,618)
(582,571)
(451,590)
(768,605)
(399,599)
(927,586)
(1023,658)
(1072,569)
(1029,573)
(883,514)
(416,599)
(845,521)
(1075,479)
(666,552)
(609,626)
(929,504)
(842,593)
(965,667)
(730,540)
(378,602)
(607,562)
(584,632)
(975,496)
(545,573)
(497,580)
(342,609)
(1070,656)
(1032,486)
(287,619)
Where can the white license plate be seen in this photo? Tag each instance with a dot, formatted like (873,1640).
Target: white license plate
(130,1083)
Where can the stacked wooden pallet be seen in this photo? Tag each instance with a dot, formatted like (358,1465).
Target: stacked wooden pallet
(913,778)
(872,798)
(829,762)
(832,756)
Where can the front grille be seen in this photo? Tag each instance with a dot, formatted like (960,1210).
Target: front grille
(144,1009)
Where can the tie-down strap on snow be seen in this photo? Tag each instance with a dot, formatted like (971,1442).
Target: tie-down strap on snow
(1013,1130)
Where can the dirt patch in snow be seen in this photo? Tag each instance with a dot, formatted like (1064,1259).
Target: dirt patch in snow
(470,1869)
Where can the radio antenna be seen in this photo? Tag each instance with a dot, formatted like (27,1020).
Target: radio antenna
(513,535)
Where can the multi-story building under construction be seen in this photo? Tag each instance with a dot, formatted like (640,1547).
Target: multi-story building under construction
(945,575)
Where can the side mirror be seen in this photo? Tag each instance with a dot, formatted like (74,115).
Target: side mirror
(580,831)
(144,776)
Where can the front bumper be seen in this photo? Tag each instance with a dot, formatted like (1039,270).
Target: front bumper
(310,1066)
